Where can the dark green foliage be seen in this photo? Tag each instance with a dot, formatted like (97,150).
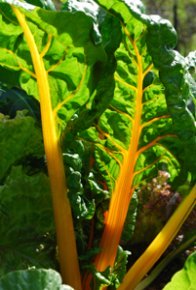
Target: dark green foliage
(26,222)
(33,279)
(13,100)
(20,139)
(91,54)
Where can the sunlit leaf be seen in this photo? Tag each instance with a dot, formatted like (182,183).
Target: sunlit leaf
(185,278)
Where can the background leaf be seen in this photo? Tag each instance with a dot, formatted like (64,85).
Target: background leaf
(20,139)
(13,100)
(26,222)
(34,279)
(185,278)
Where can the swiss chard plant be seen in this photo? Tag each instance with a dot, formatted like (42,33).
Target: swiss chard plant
(116,109)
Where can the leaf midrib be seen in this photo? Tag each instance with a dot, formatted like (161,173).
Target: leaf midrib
(121,196)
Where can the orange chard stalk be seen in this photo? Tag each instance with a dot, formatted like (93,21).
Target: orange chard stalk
(159,244)
(62,211)
(123,191)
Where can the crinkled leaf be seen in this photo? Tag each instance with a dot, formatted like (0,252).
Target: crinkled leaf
(148,125)
(141,130)
(26,222)
(20,138)
(77,68)
(107,32)
(75,159)
(120,266)
(185,278)
(46,4)
(80,72)
(178,83)
(141,115)
(91,9)
(131,219)
(112,277)
(19,3)
(30,4)
(191,60)
(34,279)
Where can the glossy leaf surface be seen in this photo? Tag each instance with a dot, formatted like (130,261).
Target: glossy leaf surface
(141,131)
(185,278)
(112,141)
(34,279)
(68,54)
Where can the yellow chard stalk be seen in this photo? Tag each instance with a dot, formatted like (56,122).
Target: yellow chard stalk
(62,211)
(159,244)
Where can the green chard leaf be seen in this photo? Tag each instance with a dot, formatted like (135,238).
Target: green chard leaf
(77,68)
(113,277)
(26,222)
(141,130)
(121,115)
(46,4)
(120,266)
(20,139)
(26,4)
(34,279)
(174,71)
(185,278)
(160,143)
